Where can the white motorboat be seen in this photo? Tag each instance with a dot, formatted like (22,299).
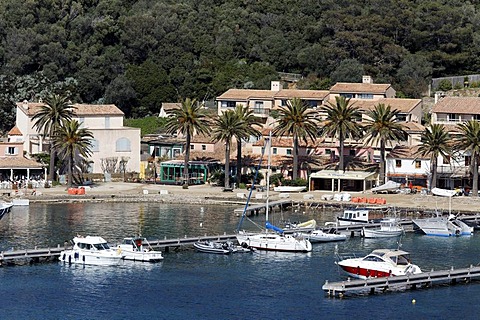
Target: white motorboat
(91,250)
(361,215)
(443,192)
(289,188)
(5,207)
(302,226)
(320,236)
(215,247)
(389,186)
(380,263)
(272,238)
(389,228)
(138,249)
(443,226)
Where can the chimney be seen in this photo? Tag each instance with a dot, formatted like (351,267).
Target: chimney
(367,79)
(275,86)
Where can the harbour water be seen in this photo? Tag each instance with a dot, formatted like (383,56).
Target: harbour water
(191,285)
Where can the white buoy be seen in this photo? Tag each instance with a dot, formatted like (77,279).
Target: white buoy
(414,301)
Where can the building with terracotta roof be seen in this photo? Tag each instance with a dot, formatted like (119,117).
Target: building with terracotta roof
(110,138)
(367,90)
(167,106)
(13,165)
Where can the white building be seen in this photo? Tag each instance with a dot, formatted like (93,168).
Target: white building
(110,137)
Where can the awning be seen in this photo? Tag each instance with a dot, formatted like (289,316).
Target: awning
(350,175)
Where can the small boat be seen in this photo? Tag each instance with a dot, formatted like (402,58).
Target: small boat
(380,263)
(443,192)
(389,186)
(91,250)
(5,207)
(320,236)
(289,188)
(389,228)
(134,249)
(301,227)
(215,247)
(443,226)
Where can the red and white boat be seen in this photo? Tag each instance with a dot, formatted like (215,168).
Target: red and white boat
(380,263)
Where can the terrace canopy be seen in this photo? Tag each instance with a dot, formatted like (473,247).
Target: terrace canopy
(338,181)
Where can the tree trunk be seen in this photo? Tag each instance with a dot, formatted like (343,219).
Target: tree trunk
(295,157)
(51,174)
(187,160)
(433,183)
(239,162)
(70,171)
(382,162)
(227,164)
(340,163)
(475,176)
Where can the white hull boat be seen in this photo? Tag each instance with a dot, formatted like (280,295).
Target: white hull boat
(443,227)
(389,228)
(214,247)
(274,242)
(5,207)
(361,215)
(289,188)
(91,250)
(134,249)
(319,236)
(380,263)
(443,192)
(389,186)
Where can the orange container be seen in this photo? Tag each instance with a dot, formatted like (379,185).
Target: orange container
(362,200)
(72,191)
(81,191)
(355,199)
(372,200)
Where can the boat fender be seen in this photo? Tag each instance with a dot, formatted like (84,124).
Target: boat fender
(76,255)
(69,259)
(119,251)
(83,259)
(358,270)
(63,257)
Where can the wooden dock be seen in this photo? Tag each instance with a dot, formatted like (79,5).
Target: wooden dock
(424,280)
(36,255)
(257,208)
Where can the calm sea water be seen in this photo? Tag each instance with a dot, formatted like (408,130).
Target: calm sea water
(190,285)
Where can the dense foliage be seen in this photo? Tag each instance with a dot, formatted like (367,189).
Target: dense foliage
(138,54)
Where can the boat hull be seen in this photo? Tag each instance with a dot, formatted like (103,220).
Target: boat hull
(320,236)
(150,256)
(274,242)
(370,234)
(110,258)
(208,248)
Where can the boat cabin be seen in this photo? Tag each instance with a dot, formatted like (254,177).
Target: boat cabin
(91,243)
(397,257)
(360,215)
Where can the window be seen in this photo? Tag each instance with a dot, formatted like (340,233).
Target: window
(123,145)
(401,117)
(228,104)
(398,163)
(274,150)
(328,151)
(476,117)
(311,103)
(107,122)
(176,152)
(346,95)
(258,108)
(192,147)
(453,117)
(352,152)
(289,151)
(468,160)
(12,151)
(95,145)
(365,96)
(446,160)
(418,164)
(204,147)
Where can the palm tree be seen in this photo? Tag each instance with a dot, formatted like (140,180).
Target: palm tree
(382,127)
(70,141)
(434,141)
(298,121)
(225,127)
(341,122)
(469,140)
(249,121)
(50,117)
(187,120)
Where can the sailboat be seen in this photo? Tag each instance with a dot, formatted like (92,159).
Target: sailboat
(272,238)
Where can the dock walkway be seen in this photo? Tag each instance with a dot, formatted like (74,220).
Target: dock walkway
(257,208)
(425,280)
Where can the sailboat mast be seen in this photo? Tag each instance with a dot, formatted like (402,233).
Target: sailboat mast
(269,144)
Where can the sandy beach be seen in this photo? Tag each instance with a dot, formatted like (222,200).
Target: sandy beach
(206,194)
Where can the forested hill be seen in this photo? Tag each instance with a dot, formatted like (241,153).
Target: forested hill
(137,54)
